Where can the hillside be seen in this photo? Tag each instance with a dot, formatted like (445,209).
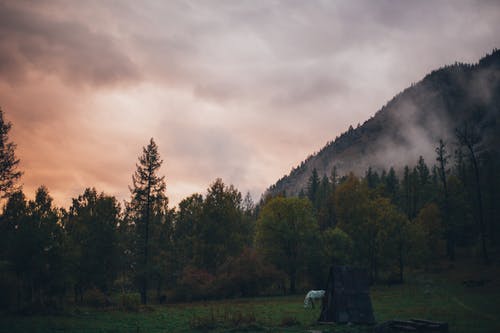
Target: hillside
(411,124)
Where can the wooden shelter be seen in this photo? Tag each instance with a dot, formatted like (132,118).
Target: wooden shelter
(347,297)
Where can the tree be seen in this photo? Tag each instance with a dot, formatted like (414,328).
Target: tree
(8,161)
(442,159)
(248,206)
(374,224)
(468,137)
(391,185)
(352,205)
(93,225)
(14,251)
(313,187)
(187,220)
(461,213)
(423,184)
(148,202)
(356,217)
(37,249)
(49,251)
(429,218)
(372,178)
(391,237)
(222,231)
(286,233)
(406,192)
(337,247)
(325,211)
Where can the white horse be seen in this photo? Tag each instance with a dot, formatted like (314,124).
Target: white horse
(311,296)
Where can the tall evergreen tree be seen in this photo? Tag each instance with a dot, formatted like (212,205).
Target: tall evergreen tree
(325,204)
(409,186)
(8,161)
(372,178)
(334,178)
(391,185)
(313,187)
(423,185)
(442,159)
(148,201)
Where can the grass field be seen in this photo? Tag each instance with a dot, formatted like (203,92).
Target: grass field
(436,297)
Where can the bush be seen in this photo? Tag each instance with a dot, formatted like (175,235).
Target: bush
(196,284)
(130,302)
(242,276)
(245,275)
(96,298)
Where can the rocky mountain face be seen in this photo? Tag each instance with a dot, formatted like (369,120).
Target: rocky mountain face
(412,123)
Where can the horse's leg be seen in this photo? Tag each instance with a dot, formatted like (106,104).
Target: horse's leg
(312,302)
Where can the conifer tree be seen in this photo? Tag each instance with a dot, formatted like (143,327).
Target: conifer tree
(147,203)
(442,159)
(313,187)
(8,161)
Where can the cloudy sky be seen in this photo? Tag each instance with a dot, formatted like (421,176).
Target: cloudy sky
(242,90)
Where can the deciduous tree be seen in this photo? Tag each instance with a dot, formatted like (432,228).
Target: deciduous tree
(286,232)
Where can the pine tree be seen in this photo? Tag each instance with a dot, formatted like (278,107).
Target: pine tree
(313,187)
(423,190)
(442,159)
(372,178)
(148,202)
(8,161)
(391,185)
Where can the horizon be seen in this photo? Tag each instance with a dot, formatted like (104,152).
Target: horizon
(85,90)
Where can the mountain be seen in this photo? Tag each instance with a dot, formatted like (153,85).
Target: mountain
(412,123)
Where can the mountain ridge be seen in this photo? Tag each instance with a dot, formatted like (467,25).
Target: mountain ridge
(411,123)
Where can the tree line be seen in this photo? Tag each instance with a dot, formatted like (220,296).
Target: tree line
(220,244)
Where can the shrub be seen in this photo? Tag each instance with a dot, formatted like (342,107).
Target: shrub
(130,302)
(196,284)
(96,298)
(245,275)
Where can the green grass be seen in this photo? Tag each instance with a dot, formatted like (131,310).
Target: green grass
(435,297)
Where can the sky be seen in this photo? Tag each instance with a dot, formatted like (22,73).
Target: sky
(241,90)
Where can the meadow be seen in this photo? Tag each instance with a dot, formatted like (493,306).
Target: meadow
(439,297)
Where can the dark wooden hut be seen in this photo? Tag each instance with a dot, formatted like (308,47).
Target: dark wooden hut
(347,297)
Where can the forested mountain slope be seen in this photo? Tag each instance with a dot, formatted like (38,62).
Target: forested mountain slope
(412,123)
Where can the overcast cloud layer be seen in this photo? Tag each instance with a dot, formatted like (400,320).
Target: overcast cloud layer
(242,90)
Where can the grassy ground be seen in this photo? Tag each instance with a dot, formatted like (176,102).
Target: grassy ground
(440,297)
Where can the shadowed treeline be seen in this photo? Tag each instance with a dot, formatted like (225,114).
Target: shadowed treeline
(216,245)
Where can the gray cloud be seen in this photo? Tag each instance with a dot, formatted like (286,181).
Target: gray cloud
(35,41)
